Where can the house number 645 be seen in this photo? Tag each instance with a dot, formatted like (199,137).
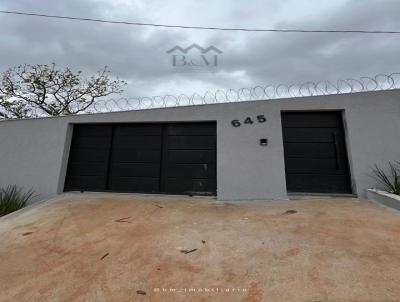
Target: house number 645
(249,121)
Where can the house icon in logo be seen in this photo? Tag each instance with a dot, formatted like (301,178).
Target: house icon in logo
(194,56)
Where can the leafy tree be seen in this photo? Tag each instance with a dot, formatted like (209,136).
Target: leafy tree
(42,90)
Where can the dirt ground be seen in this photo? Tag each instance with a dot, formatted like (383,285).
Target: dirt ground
(110,247)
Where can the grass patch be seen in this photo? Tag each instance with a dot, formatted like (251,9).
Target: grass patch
(13,198)
(390,179)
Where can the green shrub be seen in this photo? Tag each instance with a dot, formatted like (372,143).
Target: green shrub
(391,179)
(13,198)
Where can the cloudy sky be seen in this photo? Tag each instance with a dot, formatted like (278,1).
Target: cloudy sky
(138,54)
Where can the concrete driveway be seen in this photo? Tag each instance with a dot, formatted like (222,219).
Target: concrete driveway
(110,247)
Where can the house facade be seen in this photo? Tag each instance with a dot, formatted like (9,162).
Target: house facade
(253,150)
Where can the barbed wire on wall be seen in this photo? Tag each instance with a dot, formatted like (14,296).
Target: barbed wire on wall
(257,93)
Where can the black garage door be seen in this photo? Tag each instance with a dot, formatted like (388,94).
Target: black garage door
(315,152)
(177,158)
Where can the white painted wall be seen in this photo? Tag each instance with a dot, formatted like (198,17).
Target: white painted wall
(34,153)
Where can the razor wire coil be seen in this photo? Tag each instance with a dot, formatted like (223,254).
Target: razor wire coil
(256,93)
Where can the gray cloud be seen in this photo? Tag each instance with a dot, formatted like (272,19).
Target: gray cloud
(138,54)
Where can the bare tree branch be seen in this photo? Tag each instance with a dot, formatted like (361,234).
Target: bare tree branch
(43,90)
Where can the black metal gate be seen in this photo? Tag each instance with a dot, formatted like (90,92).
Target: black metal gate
(315,152)
(177,158)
